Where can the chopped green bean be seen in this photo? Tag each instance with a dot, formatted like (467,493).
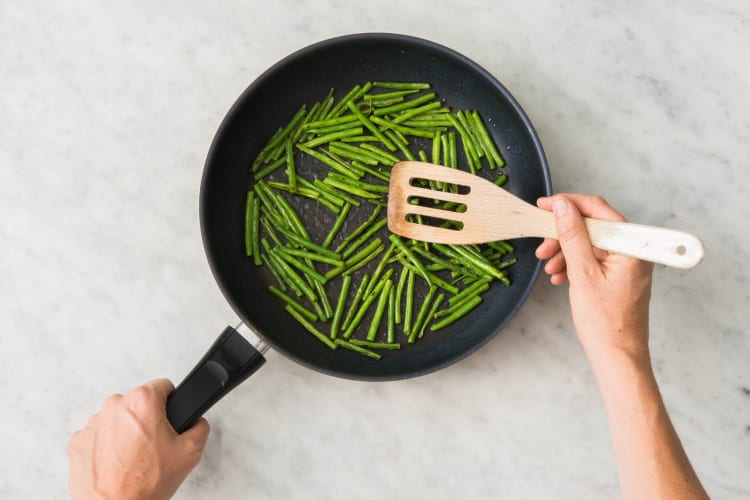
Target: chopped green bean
(293,303)
(399,295)
(468,306)
(310,327)
(249,223)
(354,347)
(336,226)
(366,303)
(380,308)
(391,318)
(426,303)
(358,296)
(430,314)
(409,302)
(375,345)
(340,304)
(367,123)
(256,232)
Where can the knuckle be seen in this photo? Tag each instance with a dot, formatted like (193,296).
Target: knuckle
(112,400)
(598,200)
(140,397)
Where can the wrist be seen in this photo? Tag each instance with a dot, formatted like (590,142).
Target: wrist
(608,357)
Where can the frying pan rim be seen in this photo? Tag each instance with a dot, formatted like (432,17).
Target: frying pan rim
(229,117)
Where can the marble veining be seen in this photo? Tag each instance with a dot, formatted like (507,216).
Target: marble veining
(106,114)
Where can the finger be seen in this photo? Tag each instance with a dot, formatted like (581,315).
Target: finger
(556,264)
(559,278)
(162,388)
(195,439)
(547,248)
(591,206)
(92,420)
(574,239)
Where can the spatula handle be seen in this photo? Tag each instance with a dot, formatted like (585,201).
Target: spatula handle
(655,244)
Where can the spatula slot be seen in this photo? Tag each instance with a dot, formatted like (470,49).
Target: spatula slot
(448,206)
(439,186)
(417,219)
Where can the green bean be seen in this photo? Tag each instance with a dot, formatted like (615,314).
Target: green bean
(330,122)
(360,229)
(399,295)
(335,165)
(409,303)
(352,153)
(340,107)
(290,171)
(336,128)
(384,96)
(444,147)
(362,257)
(310,327)
(459,304)
(391,318)
(439,125)
(469,127)
(356,348)
(409,255)
(274,271)
(366,303)
(432,279)
(360,138)
(323,139)
(437,260)
(457,314)
(327,310)
(256,232)
(401,117)
(324,193)
(359,294)
(290,214)
(387,158)
(313,256)
(436,148)
(323,187)
(399,144)
(380,267)
(293,303)
(402,129)
(336,226)
(405,105)
(480,263)
(294,278)
(309,244)
(309,116)
(399,140)
(269,169)
(375,345)
(414,330)
(430,314)
(502,179)
(339,312)
(385,176)
(487,142)
(474,289)
(350,188)
(401,85)
(506,263)
(365,236)
(471,155)
(307,270)
(452,158)
(291,126)
(249,223)
(367,123)
(423,156)
(379,309)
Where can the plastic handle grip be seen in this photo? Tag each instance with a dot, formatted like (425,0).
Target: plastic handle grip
(229,361)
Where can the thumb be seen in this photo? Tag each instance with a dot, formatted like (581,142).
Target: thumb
(574,239)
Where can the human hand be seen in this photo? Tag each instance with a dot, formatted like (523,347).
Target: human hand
(609,293)
(129,450)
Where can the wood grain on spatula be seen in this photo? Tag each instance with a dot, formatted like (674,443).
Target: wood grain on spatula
(492,214)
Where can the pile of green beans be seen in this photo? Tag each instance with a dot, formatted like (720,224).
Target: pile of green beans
(358,138)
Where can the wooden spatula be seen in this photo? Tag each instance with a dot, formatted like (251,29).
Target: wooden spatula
(493,214)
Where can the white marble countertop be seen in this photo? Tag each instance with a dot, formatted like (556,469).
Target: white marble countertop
(107,110)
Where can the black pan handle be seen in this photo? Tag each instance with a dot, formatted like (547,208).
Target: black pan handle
(229,361)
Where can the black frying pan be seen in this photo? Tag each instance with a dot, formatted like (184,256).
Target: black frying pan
(305,77)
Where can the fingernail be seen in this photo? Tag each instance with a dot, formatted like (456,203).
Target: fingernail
(560,206)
